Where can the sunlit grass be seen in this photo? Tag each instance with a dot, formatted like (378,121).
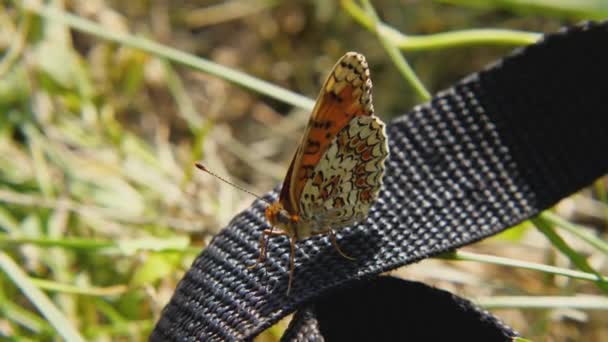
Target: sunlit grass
(101,211)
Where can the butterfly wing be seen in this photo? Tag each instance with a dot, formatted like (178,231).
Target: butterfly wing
(348,177)
(345,94)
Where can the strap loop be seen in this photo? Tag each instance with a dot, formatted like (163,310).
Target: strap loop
(484,155)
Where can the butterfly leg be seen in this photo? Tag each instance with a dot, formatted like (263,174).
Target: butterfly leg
(334,242)
(266,234)
(332,237)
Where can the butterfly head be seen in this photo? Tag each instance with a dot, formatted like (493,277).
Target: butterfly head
(279,217)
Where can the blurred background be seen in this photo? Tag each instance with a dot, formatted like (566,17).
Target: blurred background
(101,209)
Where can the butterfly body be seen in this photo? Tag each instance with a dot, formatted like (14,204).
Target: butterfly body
(336,173)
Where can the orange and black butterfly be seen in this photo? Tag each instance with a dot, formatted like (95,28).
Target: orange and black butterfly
(336,173)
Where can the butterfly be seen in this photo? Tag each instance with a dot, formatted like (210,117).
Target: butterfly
(336,172)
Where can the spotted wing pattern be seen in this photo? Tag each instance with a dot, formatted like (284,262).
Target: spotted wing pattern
(347,179)
(346,94)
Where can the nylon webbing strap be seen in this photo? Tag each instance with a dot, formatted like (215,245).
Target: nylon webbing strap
(493,150)
(391,309)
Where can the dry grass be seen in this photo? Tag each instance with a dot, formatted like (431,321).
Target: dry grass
(101,210)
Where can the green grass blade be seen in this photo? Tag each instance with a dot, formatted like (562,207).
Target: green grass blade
(46,307)
(586,302)
(470,37)
(17,314)
(576,230)
(443,40)
(49,285)
(573,9)
(174,55)
(490,259)
(402,65)
(578,260)
(121,247)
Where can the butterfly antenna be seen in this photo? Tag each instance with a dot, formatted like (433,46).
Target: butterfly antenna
(205,169)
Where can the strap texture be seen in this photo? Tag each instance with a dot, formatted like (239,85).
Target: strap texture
(484,155)
(391,309)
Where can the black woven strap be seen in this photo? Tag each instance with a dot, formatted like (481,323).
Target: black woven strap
(491,151)
(391,309)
